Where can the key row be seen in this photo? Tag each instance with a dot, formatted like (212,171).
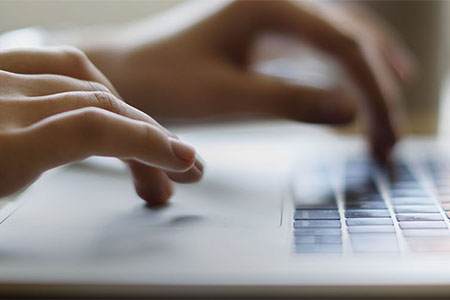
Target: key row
(371,244)
(419,229)
(404,224)
(403,213)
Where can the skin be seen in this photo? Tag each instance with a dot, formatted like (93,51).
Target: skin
(208,50)
(56,107)
(58,104)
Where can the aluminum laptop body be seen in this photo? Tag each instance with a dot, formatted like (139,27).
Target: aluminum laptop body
(284,210)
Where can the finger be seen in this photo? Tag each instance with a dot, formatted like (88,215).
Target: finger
(39,108)
(98,95)
(151,184)
(78,134)
(362,63)
(154,186)
(66,61)
(269,95)
(194,174)
(49,84)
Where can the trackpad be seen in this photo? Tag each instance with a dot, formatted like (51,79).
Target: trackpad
(98,195)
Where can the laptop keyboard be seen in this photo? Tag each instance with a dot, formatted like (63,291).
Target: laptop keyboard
(390,210)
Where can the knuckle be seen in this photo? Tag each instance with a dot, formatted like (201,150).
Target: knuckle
(108,102)
(72,52)
(97,86)
(74,58)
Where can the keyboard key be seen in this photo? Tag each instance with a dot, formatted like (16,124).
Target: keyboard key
(445,206)
(447,213)
(318,239)
(365,205)
(371,229)
(412,201)
(419,217)
(416,209)
(317,223)
(367,213)
(425,232)
(409,193)
(317,206)
(354,180)
(361,187)
(363,198)
(369,221)
(405,185)
(358,188)
(423,225)
(318,248)
(444,199)
(398,176)
(317,231)
(358,170)
(320,214)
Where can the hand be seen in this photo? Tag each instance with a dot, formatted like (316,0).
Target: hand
(194,63)
(56,108)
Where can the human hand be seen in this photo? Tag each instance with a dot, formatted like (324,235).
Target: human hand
(194,61)
(56,108)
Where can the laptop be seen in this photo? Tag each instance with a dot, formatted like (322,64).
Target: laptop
(284,210)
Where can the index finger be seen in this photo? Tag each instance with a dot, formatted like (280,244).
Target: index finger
(363,63)
(360,61)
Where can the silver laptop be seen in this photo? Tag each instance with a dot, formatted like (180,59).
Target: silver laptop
(284,210)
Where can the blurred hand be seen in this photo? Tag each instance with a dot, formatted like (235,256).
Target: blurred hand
(56,107)
(194,62)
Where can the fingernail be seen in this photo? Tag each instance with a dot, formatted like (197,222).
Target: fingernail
(182,150)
